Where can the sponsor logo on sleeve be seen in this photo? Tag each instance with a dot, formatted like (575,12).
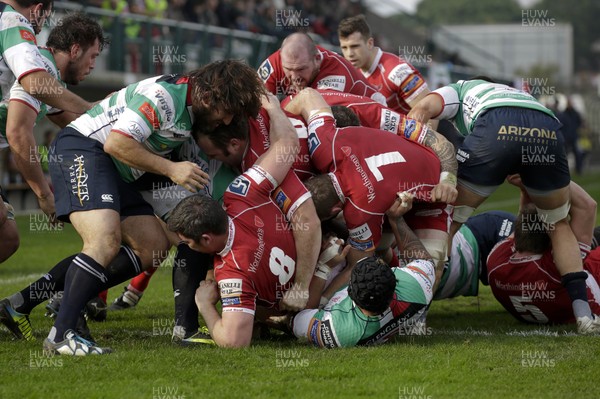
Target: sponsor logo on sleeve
(361,245)
(409,127)
(399,73)
(389,120)
(148,112)
(326,335)
(239,186)
(282,200)
(135,130)
(313,142)
(231,301)
(411,85)
(230,287)
(313,331)
(265,70)
(27,35)
(362,232)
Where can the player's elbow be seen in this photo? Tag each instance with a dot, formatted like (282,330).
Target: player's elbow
(305,218)
(112,146)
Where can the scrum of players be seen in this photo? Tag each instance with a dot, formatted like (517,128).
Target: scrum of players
(315,195)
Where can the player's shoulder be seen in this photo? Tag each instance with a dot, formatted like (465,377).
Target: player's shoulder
(501,252)
(10,18)
(270,65)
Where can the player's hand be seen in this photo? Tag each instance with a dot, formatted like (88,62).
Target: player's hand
(270,102)
(403,204)
(189,176)
(294,299)
(47,204)
(207,293)
(418,115)
(444,192)
(515,180)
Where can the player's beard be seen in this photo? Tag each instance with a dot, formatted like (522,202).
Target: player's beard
(71,72)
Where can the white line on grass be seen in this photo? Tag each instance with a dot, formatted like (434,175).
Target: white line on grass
(540,332)
(28,278)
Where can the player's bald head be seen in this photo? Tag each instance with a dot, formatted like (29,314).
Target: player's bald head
(298,44)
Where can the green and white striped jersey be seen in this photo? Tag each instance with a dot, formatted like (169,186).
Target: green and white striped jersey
(156,112)
(342,324)
(18,93)
(19,56)
(465,100)
(461,277)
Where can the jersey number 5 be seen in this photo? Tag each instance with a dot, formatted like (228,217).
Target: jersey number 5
(376,161)
(535,315)
(281,265)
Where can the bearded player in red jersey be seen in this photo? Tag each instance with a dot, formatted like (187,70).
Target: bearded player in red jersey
(364,170)
(300,63)
(240,146)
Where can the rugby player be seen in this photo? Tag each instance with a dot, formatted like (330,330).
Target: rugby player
(505,132)
(300,63)
(239,145)
(393,76)
(21,60)
(127,134)
(364,170)
(254,259)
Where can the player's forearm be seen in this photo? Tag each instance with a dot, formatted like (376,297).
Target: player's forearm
(429,107)
(409,245)
(48,90)
(306,103)
(223,336)
(445,152)
(27,159)
(135,155)
(306,228)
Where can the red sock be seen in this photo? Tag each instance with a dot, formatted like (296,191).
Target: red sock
(141,281)
(103,295)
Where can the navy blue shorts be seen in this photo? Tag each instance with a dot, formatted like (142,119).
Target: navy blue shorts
(86,178)
(508,140)
(489,228)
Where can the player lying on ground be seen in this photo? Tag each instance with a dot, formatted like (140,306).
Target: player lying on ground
(377,302)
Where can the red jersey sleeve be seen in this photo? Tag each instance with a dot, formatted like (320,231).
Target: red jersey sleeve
(252,188)
(271,72)
(238,293)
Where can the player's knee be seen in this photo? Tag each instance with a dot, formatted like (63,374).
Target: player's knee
(153,251)
(10,242)
(553,216)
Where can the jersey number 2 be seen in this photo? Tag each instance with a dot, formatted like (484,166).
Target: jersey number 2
(377,161)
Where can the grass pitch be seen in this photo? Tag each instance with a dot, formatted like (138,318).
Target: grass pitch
(474,350)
